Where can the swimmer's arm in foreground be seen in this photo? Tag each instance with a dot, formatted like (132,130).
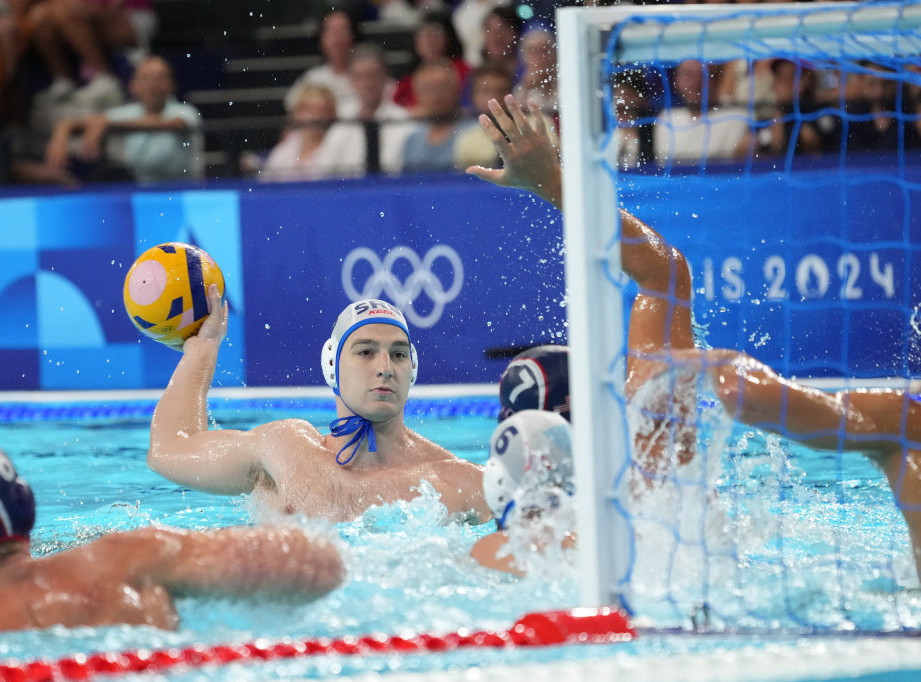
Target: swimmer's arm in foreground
(488,551)
(239,561)
(882,424)
(133,577)
(182,448)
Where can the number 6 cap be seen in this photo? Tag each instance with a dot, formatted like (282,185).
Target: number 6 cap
(529,453)
(536,379)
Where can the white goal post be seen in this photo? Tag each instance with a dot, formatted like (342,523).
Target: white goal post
(595,307)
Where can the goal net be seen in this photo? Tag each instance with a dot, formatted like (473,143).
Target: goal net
(777,147)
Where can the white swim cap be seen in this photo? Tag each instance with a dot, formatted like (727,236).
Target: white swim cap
(532,448)
(355,315)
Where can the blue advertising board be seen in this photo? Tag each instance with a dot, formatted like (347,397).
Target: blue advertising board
(476,269)
(815,276)
(473,268)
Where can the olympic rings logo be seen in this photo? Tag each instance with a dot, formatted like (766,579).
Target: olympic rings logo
(404,293)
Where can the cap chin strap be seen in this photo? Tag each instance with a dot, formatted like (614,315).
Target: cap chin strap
(359,426)
(501,520)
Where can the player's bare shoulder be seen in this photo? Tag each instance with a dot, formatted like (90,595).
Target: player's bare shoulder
(298,429)
(430,455)
(282,442)
(425,450)
(296,468)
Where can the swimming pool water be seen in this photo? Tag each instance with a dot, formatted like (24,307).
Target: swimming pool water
(814,540)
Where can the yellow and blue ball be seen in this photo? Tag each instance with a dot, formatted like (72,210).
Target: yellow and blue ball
(166,291)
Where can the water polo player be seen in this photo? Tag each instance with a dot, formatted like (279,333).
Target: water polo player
(133,577)
(17,504)
(536,379)
(881,424)
(370,456)
(528,474)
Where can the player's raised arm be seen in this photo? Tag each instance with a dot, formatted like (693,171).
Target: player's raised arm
(182,448)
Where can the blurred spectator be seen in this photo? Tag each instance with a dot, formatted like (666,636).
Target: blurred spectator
(434,38)
(634,137)
(90,31)
(338,34)
(833,86)
(913,96)
(407,12)
(16,167)
(502,29)
(874,121)
(793,92)
(11,45)
(160,137)
(430,145)
(297,154)
(373,141)
(743,82)
(689,129)
(15,99)
(538,80)
(468,17)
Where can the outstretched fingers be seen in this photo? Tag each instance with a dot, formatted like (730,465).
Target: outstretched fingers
(518,126)
(495,133)
(497,176)
(537,121)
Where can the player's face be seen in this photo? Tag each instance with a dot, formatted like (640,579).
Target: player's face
(374,371)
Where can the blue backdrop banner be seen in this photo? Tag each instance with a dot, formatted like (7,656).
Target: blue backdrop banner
(803,276)
(477,270)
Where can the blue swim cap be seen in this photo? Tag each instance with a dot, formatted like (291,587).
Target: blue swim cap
(17,504)
(536,379)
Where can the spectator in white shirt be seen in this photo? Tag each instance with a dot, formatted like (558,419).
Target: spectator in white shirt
(297,154)
(370,139)
(690,130)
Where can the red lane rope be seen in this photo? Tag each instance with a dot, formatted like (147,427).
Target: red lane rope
(579,626)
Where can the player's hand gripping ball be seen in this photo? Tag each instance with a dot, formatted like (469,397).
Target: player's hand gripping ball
(166,291)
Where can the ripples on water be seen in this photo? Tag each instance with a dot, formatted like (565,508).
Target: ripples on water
(778,537)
